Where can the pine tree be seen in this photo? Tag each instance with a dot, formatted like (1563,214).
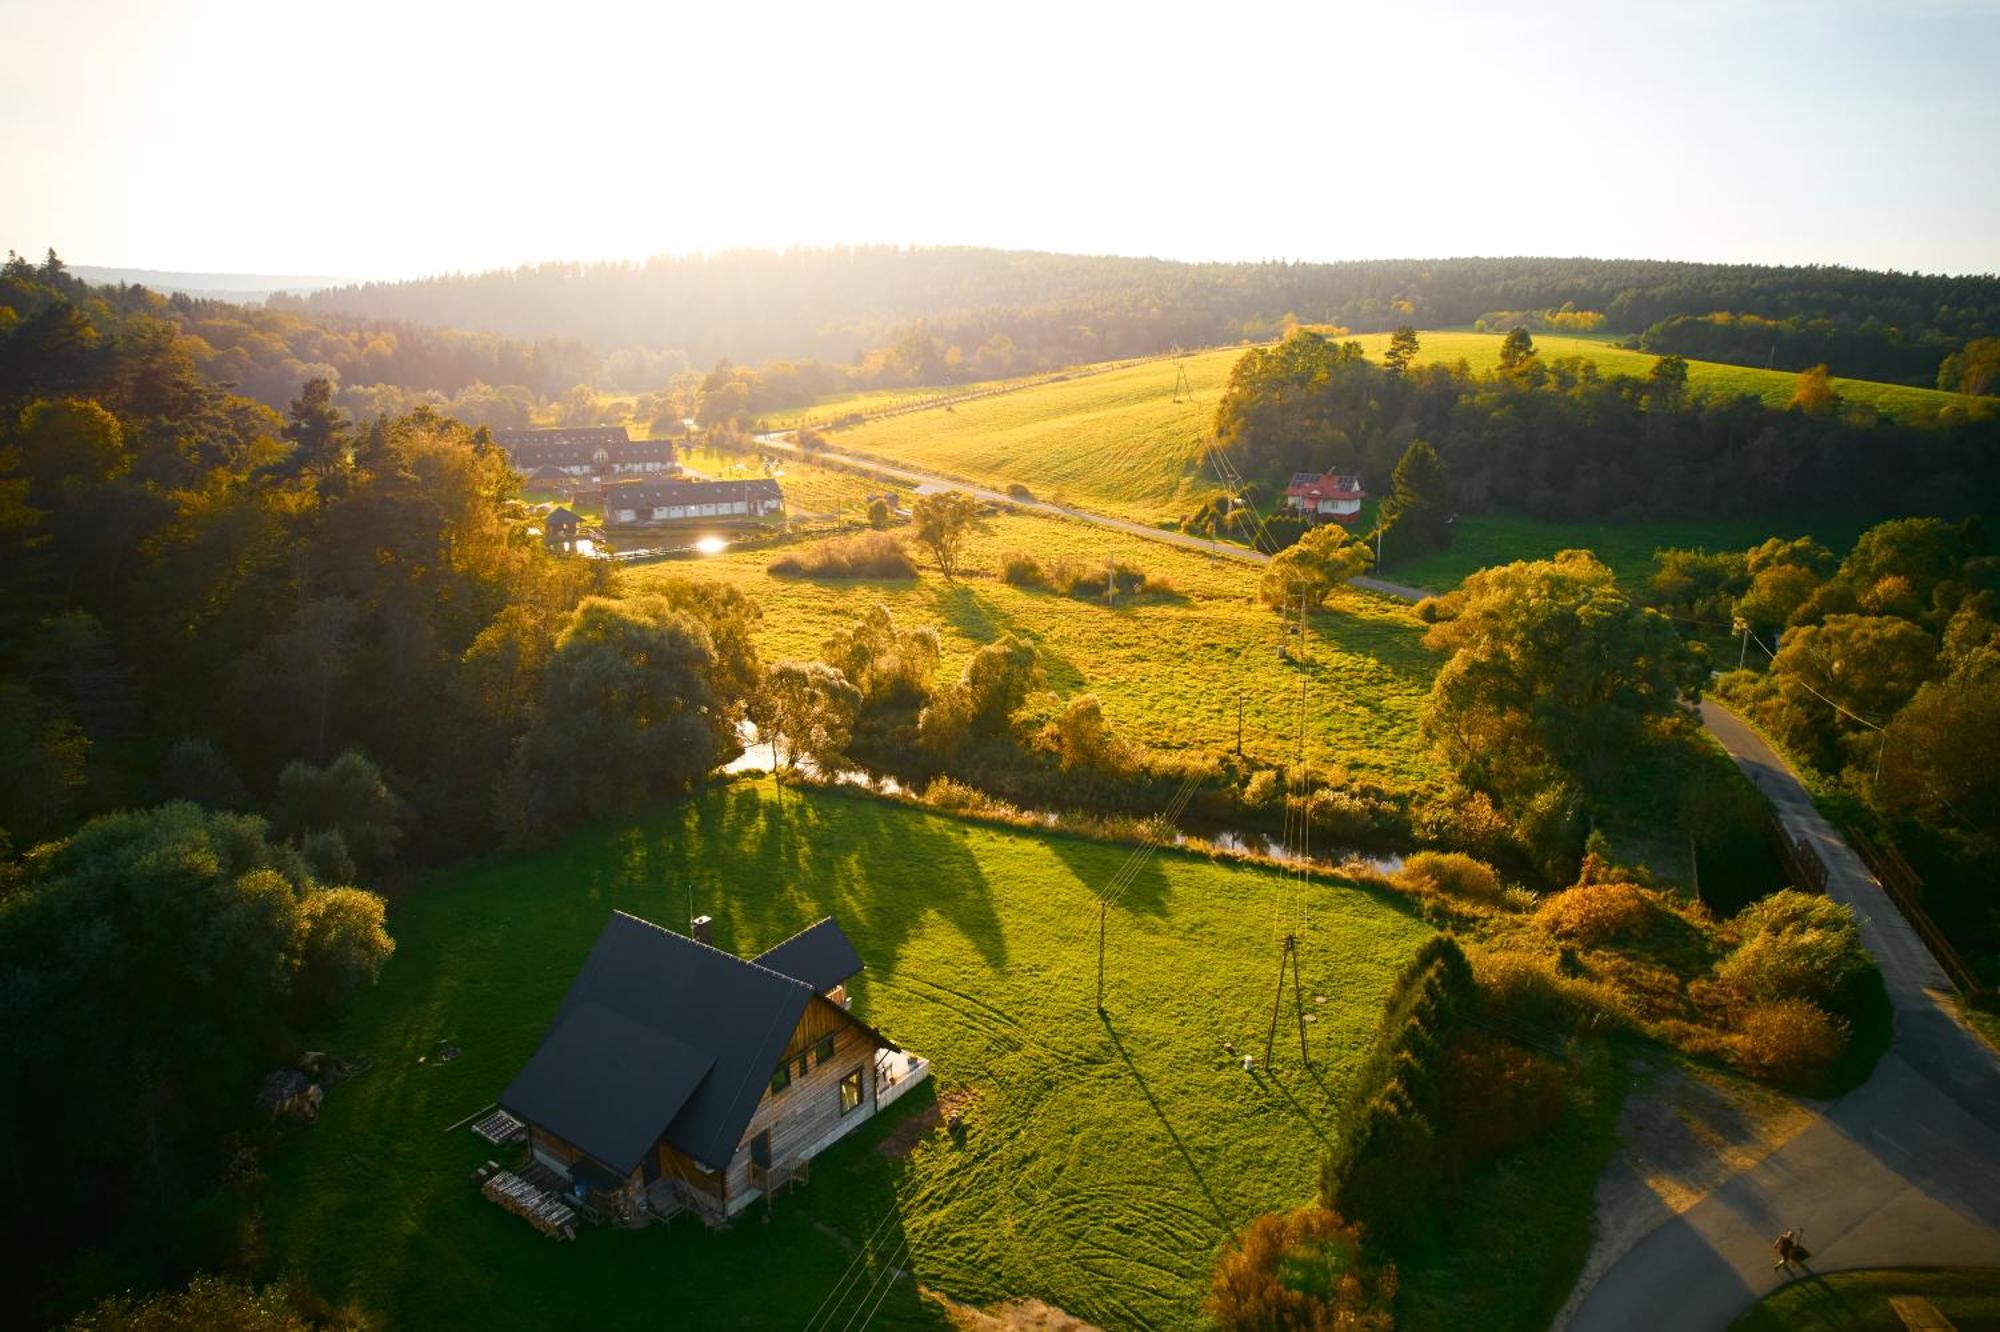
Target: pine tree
(1417,514)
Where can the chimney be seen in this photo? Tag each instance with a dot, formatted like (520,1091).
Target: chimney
(704,930)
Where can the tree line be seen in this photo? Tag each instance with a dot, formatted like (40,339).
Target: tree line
(1009,312)
(1558,439)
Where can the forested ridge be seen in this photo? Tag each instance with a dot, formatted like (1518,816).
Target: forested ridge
(1031,310)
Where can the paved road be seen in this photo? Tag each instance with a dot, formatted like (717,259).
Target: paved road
(925,483)
(1902,1171)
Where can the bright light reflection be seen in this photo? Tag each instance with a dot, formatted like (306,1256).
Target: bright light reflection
(711,545)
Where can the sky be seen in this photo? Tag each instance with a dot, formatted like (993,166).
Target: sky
(382,140)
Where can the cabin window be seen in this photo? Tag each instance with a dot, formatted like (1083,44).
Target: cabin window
(782,1078)
(850,1091)
(801,1061)
(823,1049)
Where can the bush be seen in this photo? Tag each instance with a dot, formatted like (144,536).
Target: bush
(1601,913)
(1302,1269)
(1788,1041)
(862,555)
(1450,873)
(1796,946)
(1022,569)
(1019,491)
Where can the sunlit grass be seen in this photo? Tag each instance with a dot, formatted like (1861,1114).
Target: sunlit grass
(1103,1161)
(1169,671)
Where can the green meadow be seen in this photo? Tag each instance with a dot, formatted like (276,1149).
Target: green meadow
(1103,1159)
(1170,669)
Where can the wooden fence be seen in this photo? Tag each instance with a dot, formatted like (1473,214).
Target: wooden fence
(1906,890)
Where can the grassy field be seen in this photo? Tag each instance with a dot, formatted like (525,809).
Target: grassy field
(1127,441)
(1481,351)
(1116,441)
(1481,540)
(1859,1301)
(1104,1159)
(1167,670)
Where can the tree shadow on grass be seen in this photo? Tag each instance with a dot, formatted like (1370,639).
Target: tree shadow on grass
(767,862)
(1099,865)
(1159,1112)
(978,619)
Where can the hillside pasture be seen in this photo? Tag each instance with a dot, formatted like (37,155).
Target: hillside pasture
(1116,441)
(1103,1160)
(1168,669)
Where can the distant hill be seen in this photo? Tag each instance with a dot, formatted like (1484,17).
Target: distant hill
(239,287)
(1043,310)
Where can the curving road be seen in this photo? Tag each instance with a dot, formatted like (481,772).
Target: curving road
(1904,1171)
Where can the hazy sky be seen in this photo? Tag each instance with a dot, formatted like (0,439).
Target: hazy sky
(393,139)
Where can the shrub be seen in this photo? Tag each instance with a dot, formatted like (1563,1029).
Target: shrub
(1304,1270)
(1796,946)
(1019,491)
(1600,913)
(1450,873)
(861,555)
(1787,1041)
(1022,569)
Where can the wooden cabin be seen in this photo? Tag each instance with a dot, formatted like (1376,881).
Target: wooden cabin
(677,1076)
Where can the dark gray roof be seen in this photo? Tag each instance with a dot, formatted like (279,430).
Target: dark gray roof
(601,1081)
(647,995)
(646,493)
(820,955)
(577,446)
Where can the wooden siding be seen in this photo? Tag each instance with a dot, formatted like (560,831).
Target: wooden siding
(806,1114)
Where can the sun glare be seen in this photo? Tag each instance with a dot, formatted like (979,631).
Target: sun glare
(711,545)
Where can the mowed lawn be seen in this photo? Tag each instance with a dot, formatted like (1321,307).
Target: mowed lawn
(1169,671)
(1115,441)
(1102,1162)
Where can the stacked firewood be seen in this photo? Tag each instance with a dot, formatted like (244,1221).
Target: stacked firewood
(543,1211)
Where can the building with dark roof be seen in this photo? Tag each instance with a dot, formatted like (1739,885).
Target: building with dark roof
(678,1076)
(636,503)
(585,451)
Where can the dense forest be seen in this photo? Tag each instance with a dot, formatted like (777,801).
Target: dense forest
(1012,312)
(1557,439)
(255,667)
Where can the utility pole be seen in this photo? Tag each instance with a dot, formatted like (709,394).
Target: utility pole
(1743,652)
(1239,721)
(1290,953)
(1100,954)
(1378,547)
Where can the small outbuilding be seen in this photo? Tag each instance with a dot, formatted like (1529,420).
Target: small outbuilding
(559,528)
